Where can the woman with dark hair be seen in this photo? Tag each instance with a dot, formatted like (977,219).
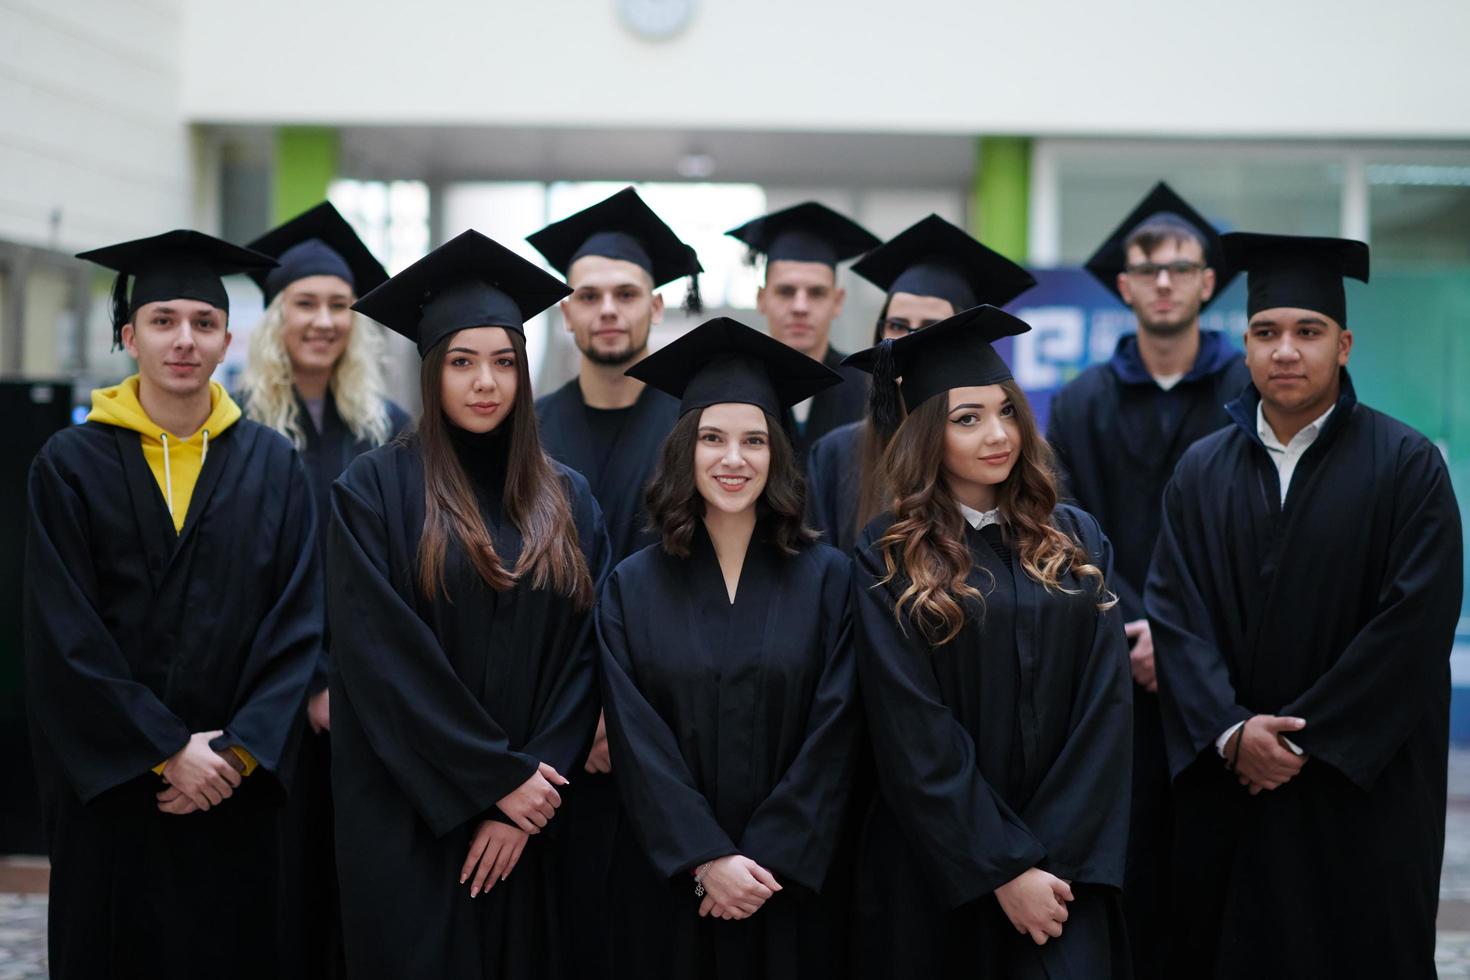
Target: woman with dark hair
(996,683)
(728,683)
(930,271)
(461,571)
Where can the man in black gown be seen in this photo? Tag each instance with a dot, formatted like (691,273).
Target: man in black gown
(1118,430)
(173,617)
(801,297)
(610,428)
(1304,597)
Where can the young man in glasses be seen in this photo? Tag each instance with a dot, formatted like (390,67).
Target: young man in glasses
(1117,430)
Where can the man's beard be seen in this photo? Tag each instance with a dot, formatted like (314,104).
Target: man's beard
(615,358)
(1168,329)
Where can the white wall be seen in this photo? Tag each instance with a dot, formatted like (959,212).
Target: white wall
(93,144)
(1299,68)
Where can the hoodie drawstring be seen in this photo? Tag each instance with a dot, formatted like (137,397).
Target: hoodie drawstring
(168,475)
(204,453)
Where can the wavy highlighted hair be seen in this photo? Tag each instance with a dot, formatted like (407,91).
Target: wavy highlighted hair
(359,387)
(924,548)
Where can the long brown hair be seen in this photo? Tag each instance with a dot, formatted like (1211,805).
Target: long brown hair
(675,506)
(925,546)
(535,500)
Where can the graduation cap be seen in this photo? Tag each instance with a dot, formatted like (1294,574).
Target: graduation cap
(934,258)
(1162,205)
(469,281)
(1297,271)
(806,232)
(175,265)
(318,242)
(723,360)
(622,227)
(954,353)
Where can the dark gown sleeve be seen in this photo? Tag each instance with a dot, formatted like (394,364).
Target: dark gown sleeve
(1060,433)
(670,816)
(1080,811)
(105,727)
(1362,710)
(968,839)
(564,731)
(1196,695)
(449,756)
(288,639)
(795,830)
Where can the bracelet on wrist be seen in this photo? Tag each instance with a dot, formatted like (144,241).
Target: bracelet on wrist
(699,874)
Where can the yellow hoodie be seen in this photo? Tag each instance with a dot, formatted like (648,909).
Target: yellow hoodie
(176,462)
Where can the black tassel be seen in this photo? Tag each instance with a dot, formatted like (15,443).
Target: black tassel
(693,301)
(121,313)
(885,407)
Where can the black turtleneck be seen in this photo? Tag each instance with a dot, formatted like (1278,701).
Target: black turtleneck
(485,457)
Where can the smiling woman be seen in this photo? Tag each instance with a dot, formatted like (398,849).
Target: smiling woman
(729,685)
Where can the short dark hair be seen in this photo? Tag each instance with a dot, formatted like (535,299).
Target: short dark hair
(675,506)
(1162,228)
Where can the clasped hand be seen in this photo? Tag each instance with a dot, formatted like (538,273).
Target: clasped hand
(735,887)
(1262,760)
(1036,903)
(198,777)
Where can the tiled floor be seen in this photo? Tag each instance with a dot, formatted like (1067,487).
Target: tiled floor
(23,902)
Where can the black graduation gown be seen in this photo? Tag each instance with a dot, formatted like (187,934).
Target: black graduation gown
(833,483)
(733,731)
(137,636)
(310,914)
(1006,749)
(440,707)
(831,407)
(617,450)
(1117,437)
(1338,607)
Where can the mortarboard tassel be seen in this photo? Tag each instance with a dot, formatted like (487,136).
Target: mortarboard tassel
(883,396)
(693,301)
(121,312)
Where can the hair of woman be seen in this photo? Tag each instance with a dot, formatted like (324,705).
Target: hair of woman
(675,506)
(925,549)
(359,387)
(535,498)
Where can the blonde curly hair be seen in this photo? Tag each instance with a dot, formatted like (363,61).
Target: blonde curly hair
(358,385)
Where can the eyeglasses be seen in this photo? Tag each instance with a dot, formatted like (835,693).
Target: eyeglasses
(1181,271)
(892,325)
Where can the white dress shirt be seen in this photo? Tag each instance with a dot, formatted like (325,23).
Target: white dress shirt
(1285,457)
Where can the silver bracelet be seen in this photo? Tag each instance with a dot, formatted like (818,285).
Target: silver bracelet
(699,874)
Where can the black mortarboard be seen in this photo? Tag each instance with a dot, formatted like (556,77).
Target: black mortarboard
(469,281)
(620,227)
(318,242)
(1161,204)
(934,258)
(954,353)
(1297,271)
(807,232)
(175,265)
(723,360)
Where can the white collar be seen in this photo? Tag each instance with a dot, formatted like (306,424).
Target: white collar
(1307,434)
(979,519)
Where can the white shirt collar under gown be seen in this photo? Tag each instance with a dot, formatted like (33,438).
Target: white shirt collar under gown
(979,519)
